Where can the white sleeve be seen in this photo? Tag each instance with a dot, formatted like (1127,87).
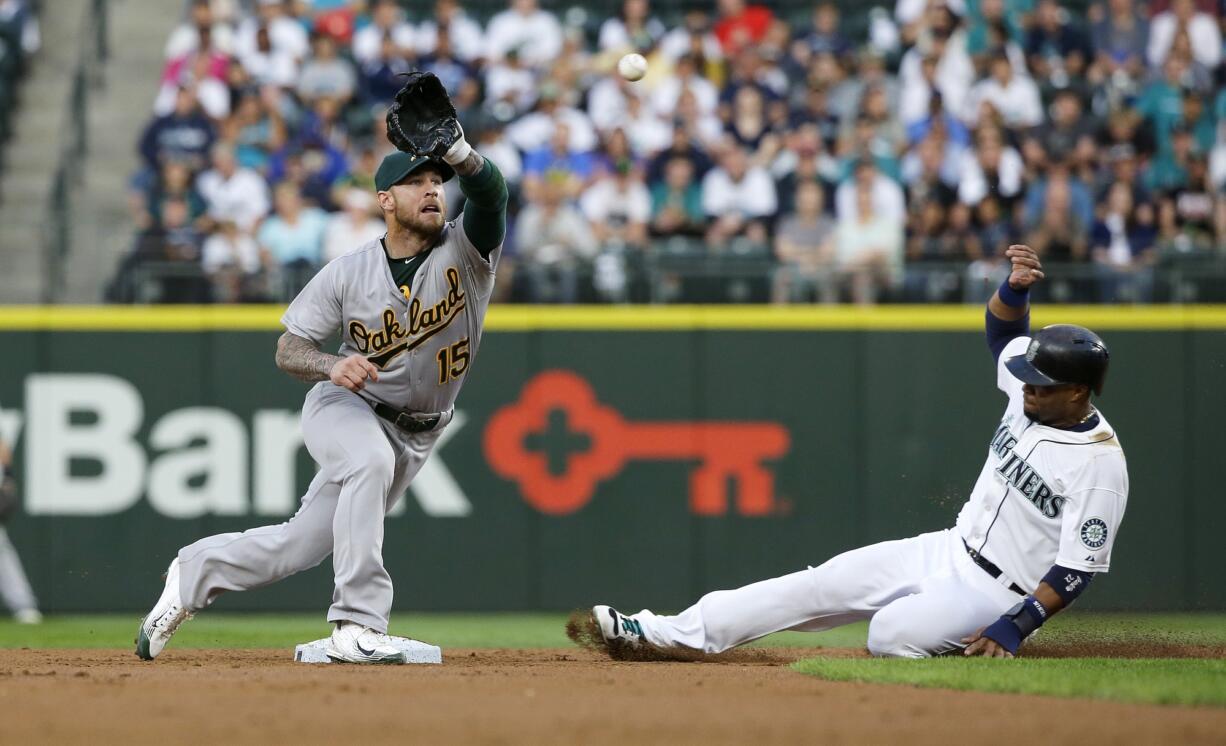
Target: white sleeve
(315,314)
(1004,379)
(1092,515)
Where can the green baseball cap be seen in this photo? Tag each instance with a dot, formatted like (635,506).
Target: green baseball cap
(400,164)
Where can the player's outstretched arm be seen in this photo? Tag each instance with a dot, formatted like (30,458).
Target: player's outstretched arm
(485,213)
(303,359)
(1008,314)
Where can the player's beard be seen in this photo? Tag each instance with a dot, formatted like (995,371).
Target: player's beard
(413,220)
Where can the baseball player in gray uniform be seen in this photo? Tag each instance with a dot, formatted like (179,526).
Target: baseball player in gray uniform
(410,309)
(1038,525)
(14,586)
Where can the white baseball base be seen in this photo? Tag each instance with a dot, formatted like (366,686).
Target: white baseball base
(414,651)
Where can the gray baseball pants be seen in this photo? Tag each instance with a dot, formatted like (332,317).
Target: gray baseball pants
(14,587)
(366,464)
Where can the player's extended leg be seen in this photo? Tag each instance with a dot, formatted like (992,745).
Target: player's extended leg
(14,587)
(850,587)
(256,557)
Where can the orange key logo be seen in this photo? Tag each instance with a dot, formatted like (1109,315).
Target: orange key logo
(599,441)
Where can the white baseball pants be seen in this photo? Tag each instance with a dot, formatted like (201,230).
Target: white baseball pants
(922,596)
(366,464)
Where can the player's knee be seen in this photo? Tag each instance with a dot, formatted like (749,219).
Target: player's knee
(889,637)
(374,462)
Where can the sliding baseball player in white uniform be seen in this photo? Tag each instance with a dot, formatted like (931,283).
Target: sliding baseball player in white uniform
(409,308)
(1040,522)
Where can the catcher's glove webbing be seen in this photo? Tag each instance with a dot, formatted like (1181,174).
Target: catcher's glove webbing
(422,120)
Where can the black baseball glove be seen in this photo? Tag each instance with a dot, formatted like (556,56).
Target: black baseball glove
(10,497)
(422,120)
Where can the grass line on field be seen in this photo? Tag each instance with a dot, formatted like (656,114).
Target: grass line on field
(1148,681)
(221,629)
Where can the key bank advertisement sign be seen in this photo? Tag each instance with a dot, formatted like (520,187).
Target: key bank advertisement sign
(92,447)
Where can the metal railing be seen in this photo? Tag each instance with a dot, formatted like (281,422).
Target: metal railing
(681,272)
(87,75)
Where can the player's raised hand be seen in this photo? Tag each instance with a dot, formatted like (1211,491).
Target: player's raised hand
(1027,269)
(352,372)
(977,644)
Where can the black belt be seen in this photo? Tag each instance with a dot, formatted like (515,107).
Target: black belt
(987,566)
(410,422)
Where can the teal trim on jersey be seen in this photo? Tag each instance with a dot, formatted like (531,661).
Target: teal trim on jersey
(525,318)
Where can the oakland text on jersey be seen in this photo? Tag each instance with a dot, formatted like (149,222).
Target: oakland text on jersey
(367,341)
(381,346)
(439,315)
(1022,476)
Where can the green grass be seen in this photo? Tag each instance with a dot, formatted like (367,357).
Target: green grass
(238,630)
(1151,681)
(1154,681)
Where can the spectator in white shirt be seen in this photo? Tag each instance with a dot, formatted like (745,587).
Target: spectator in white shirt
(510,85)
(467,38)
(648,134)
(868,249)
(694,33)
(1014,96)
(606,101)
(1202,28)
(991,167)
(685,77)
(196,75)
(554,242)
(888,199)
(618,206)
(534,32)
(953,75)
(326,74)
(353,227)
(186,36)
(234,264)
(631,30)
(285,35)
(386,20)
(738,198)
(534,130)
(268,64)
(493,144)
(233,193)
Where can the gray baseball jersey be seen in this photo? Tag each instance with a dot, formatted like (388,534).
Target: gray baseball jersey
(423,340)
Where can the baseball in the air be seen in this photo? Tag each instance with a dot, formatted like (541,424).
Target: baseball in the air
(632,67)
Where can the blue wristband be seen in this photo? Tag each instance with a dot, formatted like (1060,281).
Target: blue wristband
(1013,298)
(1005,633)
(1016,624)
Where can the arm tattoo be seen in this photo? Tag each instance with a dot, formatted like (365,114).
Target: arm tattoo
(302,359)
(471,165)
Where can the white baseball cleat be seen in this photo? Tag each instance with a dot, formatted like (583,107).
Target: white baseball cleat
(617,629)
(27,616)
(354,643)
(168,613)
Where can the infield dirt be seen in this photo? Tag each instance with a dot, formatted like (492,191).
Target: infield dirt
(528,696)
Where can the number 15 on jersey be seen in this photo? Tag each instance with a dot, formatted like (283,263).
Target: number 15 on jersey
(452,361)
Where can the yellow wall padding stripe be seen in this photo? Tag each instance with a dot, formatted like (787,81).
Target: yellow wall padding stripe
(628,318)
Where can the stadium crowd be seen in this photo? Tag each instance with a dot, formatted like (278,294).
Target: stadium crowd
(882,155)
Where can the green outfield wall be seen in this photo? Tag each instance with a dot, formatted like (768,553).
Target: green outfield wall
(632,456)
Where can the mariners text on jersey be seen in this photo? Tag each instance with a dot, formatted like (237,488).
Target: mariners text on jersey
(1022,475)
